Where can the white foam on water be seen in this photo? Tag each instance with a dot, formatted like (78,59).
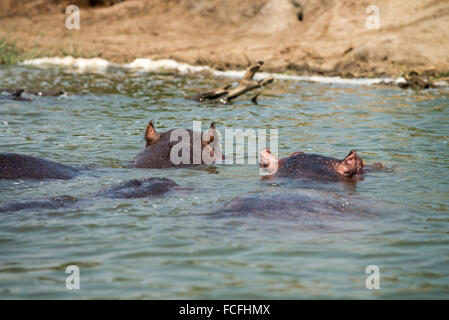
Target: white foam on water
(149,65)
(441,83)
(81,64)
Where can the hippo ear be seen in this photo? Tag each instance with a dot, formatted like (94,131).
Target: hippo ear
(351,158)
(354,162)
(350,165)
(210,136)
(151,135)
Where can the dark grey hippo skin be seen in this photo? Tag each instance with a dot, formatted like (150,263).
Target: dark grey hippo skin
(159,146)
(298,204)
(20,166)
(140,188)
(312,166)
(47,203)
(134,188)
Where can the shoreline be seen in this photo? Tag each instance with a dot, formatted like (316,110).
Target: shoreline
(331,40)
(83,65)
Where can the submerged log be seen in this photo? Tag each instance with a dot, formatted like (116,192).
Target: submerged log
(17,94)
(226,93)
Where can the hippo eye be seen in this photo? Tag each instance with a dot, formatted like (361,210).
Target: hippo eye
(268,151)
(265,165)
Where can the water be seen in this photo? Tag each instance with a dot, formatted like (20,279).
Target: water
(168,248)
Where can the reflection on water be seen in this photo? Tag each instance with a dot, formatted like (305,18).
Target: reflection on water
(170,247)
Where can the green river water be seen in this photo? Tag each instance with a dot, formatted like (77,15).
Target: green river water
(169,247)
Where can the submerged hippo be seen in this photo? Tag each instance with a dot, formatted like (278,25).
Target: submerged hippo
(131,189)
(140,188)
(293,202)
(44,203)
(303,209)
(177,147)
(20,166)
(312,166)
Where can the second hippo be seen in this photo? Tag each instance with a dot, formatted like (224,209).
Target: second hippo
(312,166)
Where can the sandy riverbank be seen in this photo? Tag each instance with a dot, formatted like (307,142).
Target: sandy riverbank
(331,38)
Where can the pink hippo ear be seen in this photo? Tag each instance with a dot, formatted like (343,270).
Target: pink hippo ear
(210,136)
(354,159)
(351,158)
(269,163)
(351,164)
(151,136)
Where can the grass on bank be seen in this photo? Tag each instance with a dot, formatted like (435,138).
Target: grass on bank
(11,54)
(77,51)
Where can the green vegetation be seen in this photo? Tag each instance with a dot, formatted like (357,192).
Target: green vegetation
(73,52)
(11,54)
(77,52)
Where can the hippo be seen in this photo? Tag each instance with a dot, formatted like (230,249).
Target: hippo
(44,203)
(20,166)
(311,166)
(159,149)
(303,209)
(146,188)
(295,202)
(317,167)
(140,188)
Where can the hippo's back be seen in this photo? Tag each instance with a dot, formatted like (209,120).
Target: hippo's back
(134,188)
(310,208)
(156,156)
(45,203)
(309,166)
(19,166)
(153,157)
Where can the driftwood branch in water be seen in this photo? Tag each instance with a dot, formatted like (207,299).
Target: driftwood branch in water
(212,95)
(17,94)
(225,94)
(45,93)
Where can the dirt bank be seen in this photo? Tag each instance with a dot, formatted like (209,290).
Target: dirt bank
(297,36)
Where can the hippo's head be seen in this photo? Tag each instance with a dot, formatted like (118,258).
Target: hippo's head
(269,163)
(350,165)
(210,146)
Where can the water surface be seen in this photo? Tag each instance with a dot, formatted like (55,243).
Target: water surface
(170,247)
